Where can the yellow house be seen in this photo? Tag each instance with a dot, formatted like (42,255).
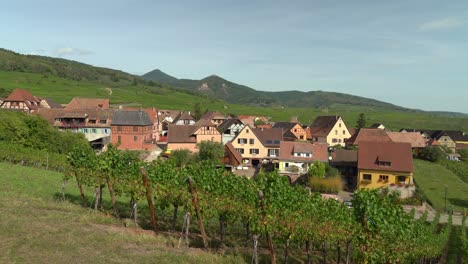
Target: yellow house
(329,129)
(257,145)
(292,131)
(381,164)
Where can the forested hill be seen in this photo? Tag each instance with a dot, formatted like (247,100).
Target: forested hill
(239,94)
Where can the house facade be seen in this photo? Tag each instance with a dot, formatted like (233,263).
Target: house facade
(21,100)
(296,157)
(368,134)
(187,136)
(329,129)
(184,118)
(132,130)
(258,145)
(215,117)
(381,164)
(291,131)
(229,129)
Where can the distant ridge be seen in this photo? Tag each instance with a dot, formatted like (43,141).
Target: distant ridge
(240,94)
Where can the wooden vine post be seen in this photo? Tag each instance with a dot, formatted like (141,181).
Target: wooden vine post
(197,212)
(268,237)
(150,200)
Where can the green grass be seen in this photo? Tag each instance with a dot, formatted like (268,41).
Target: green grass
(35,227)
(63,90)
(432,179)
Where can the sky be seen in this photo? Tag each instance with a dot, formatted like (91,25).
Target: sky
(409,53)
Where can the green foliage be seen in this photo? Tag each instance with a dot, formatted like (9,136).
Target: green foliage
(259,122)
(210,150)
(460,168)
(180,157)
(32,157)
(317,169)
(331,184)
(34,132)
(433,153)
(361,122)
(331,171)
(197,112)
(464,154)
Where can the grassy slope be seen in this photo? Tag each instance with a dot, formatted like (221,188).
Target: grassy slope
(63,90)
(36,228)
(432,178)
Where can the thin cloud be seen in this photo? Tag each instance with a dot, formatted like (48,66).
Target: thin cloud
(61,52)
(441,24)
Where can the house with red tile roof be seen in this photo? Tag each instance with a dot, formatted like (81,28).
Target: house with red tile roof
(418,143)
(252,119)
(258,145)
(21,100)
(368,134)
(291,131)
(215,117)
(87,103)
(187,136)
(296,157)
(381,164)
(184,118)
(329,129)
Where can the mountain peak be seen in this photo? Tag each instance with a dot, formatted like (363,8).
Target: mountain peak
(160,76)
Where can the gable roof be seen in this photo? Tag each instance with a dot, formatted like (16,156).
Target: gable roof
(88,103)
(269,137)
(52,115)
(181,133)
(234,152)
(228,123)
(131,118)
(288,148)
(368,134)
(21,95)
(52,104)
(376,125)
(284,125)
(414,138)
(250,119)
(213,115)
(398,154)
(183,116)
(457,135)
(322,125)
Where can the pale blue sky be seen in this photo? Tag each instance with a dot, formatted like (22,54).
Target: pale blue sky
(410,53)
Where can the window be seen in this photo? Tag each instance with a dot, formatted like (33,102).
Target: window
(401,179)
(119,129)
(254,151)
(301,137)
(273,152)
(286,165)
(240,150)
(251,141)
(94,130)
(103,121)
(119,139)
(242,141)
(384,163)
(227,132)
(135,138)
(367,177)
(135,129)
(106,131)
(92,121)
(295,130)
(247,131)
(344,132)
(383,178)
(85,130)
(336,132)
(334,140)
(339,124)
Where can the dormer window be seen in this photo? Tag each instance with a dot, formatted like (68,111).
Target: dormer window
(384,163)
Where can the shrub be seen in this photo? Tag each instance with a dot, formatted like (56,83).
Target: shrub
(331,171)
(317,169)
(326,185)
(433,154)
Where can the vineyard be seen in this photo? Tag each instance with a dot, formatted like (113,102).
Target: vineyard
(272,213)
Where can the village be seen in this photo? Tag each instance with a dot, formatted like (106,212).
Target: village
(366,158)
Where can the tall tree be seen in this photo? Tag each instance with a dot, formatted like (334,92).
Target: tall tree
(361,122)
(210,150)
(197,112)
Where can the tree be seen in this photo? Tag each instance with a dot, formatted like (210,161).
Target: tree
(317,169)
(259,122)
(210,150)
(433,153)
(180,157)
(197,112)
(361,121)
